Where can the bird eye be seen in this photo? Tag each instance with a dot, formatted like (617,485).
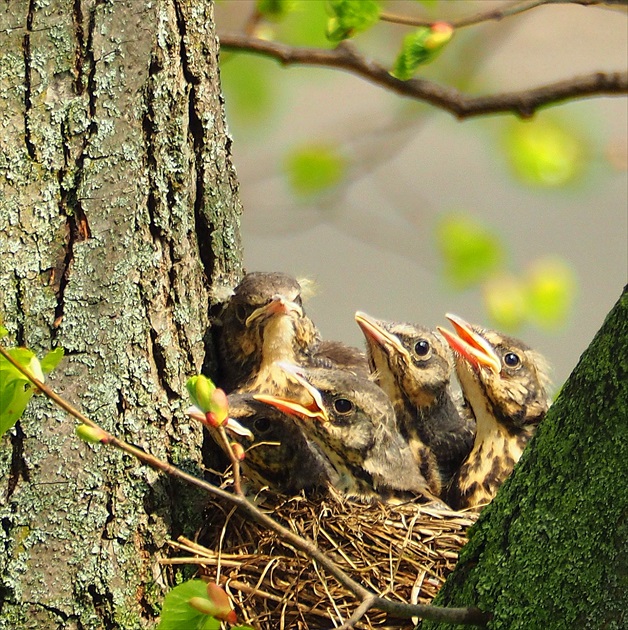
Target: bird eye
(343,406)
(262,424)
(422,347)
(240,312)
(511,359)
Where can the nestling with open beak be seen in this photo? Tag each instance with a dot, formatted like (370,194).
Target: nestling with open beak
(352,421)
(279,455)
(264,323)
(506,384)
(413,365)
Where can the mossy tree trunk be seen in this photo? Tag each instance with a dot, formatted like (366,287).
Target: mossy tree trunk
(551,551)
(119,223)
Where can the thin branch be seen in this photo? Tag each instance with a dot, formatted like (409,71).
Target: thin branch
(523,103)
(466,616)
(485,16)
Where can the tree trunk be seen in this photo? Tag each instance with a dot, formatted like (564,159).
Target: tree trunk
(119,223)
(551,551)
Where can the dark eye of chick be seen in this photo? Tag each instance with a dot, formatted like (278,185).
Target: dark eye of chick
(422,347)
(511,359)
(343,405)
(262,425)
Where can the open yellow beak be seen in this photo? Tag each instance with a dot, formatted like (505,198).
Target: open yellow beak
(372,330)
(315,409)
(471,345)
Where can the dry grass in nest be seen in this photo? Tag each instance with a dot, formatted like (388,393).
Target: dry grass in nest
(403,552)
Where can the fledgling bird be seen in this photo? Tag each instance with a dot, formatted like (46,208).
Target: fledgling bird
(352,421)
(279,456)
(264,323)
(506,384)
(413,365)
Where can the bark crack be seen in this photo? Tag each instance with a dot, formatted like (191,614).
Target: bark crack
(19,468)
(28,80)
(70,175)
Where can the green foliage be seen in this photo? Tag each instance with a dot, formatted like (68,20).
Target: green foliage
(184,604)
(349,17)
(92,435)
(177,612)
(275,9)
(543,153)
(471,252)
(551,290)
(15,388)
(421,47)
(313,169)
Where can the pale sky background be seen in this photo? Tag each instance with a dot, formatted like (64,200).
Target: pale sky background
(372,247)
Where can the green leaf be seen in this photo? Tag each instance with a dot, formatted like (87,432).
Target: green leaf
(3,332)
(177,613)
(505,298)
(14,396)
(542,153)
(275,9)
(51,360)
(470,252)
(93,435)
(314,169)
(349,17)
(552,288)
(421,47)
(15,389)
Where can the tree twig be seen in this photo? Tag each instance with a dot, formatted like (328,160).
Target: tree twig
(466,616)
(509,10)
(523,103)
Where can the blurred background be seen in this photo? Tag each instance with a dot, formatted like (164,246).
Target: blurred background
(394,207)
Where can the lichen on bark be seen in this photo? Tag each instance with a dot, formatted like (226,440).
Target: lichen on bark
(105,134)
(551,551)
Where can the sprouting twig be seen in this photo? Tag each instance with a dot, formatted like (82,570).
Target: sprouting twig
(523,103)
(466,616)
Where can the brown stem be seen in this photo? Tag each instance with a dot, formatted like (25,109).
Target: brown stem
(472,616)
(523,103)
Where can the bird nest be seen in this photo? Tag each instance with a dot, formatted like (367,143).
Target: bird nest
(402,552)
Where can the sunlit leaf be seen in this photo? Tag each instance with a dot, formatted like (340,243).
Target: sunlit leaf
(349,17)
(275,9)
(470,252)
(51,360)
(250,90)
(177,612)
(314,169)
(15,389)
(552,288)
(542,153)
(506,301)
(305,26)
(93,435)
(420,47)
(3,332)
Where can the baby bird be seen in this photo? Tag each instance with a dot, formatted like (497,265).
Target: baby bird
(352,421)
(413,365)
(264,323)
(280,456)
(506,384)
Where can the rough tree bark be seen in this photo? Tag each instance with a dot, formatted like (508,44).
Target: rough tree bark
(551,551)
(119,218)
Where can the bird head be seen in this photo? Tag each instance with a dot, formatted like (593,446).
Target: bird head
(500,372)
(343,412)
(406,359)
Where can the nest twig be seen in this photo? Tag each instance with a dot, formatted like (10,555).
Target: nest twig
(403,552)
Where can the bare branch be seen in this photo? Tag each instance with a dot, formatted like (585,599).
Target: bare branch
(523,103)
(514,8)
(465,616)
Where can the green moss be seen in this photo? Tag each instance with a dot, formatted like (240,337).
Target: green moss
(551,551)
